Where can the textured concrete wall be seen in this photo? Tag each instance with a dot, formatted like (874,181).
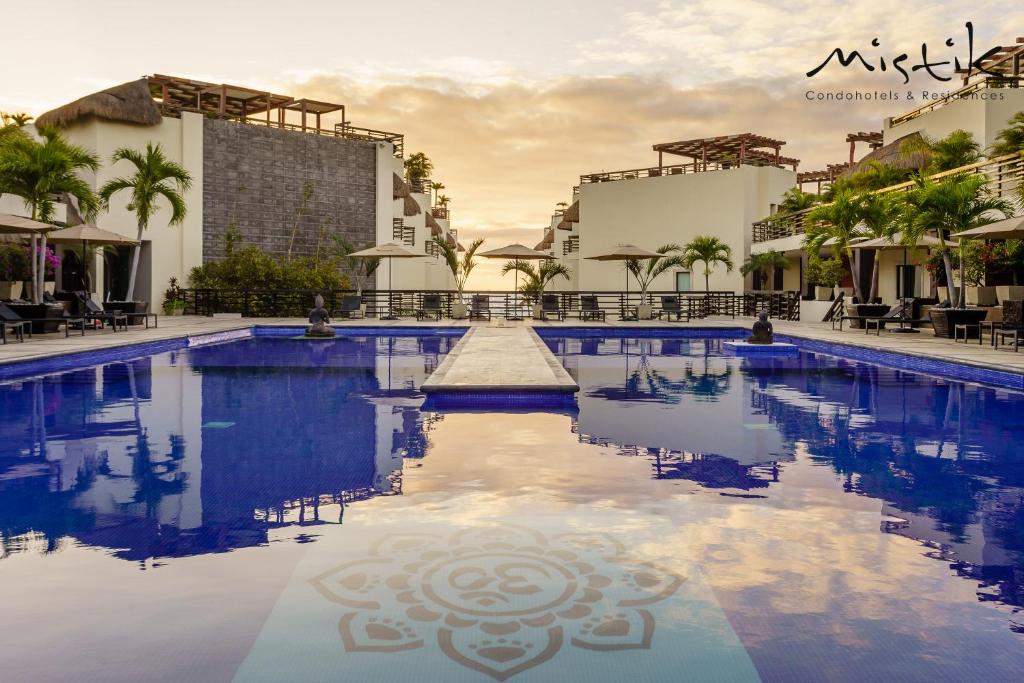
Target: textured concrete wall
(253,178)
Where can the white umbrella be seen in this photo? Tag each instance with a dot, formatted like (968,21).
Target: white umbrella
(388,250)
(1006,229)
(626,252)
(516,252)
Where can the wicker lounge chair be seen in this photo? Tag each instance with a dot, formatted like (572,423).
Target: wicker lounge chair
(672,305)
(590,309)
(480,307)
(93,311)
(351,306)
(550,305)
(430,307)
(11,319)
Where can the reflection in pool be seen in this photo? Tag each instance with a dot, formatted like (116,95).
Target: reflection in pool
(799,518)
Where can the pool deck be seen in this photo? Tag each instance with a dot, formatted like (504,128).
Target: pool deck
(922,346)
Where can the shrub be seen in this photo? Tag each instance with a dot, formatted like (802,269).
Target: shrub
(825,272)
(14,263)
(252,268)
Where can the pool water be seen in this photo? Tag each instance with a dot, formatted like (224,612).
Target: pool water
(275,509)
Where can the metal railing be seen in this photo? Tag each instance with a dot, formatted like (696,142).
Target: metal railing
(649,172)
(293,303)
(967,92)
(1004,175)
(400,232)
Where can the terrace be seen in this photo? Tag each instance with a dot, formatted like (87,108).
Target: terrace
(706,154)
(251,106)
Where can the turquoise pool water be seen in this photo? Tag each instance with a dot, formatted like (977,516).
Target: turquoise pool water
(275,509)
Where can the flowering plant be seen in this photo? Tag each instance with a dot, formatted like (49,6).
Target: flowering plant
(51,260)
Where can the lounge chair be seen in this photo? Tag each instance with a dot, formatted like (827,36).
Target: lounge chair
(351,306)
(671,305)
(550,305)
(1010,331)
(17,327)
(861,318)
(11,319)
(130,316)
(430,306)
(898,314)
(480,307)
(590,309)
(93,311)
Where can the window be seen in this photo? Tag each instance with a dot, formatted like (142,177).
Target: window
(683,281)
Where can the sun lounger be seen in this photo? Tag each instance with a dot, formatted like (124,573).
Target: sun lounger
(93,311)
(480,307)
(671,305)
(11,319)
(550,305)
(590,309)
(431,306)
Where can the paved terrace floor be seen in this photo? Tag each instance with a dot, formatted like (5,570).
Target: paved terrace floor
(922,345)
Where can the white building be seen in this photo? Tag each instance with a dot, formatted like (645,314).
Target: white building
(725,185)
(251,155)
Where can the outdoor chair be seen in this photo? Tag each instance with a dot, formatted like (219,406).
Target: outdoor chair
(430,306)
(590,309)
(11,319)
(17,327)
(862,318)
(351,306)
(898,314)
(550,305)
(93,311)
(480,307)
(671,305)
(130,316)
(1011,328)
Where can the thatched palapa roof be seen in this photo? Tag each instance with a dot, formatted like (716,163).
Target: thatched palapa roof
(412,207)
(564,225)
(572,214)
(435,228)
(400,189)
(906,152)
(126,103)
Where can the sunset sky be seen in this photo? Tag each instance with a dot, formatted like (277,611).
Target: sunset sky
(514,101)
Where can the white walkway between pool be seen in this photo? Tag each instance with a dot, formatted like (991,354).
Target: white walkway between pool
(498,359)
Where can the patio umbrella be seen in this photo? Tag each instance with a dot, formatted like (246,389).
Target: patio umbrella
(388,250)
(89,233)
(896,242)
(626,252)
(516,252)
(1006,229)
(19,225)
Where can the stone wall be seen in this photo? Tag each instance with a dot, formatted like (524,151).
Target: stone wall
(253,178)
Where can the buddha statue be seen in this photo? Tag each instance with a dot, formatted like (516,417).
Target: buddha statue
(762,332)
(318,319)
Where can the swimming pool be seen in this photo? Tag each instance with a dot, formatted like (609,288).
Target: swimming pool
(274,509)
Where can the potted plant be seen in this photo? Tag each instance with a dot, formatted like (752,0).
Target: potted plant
(976,258)
(461,268)
(14,269)
(648,272)
(173,303)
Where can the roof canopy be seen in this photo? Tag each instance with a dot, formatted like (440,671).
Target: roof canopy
(220,98)
(1005,62)
(129,102)
(743,148)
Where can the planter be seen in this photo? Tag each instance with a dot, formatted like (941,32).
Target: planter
(11,290)
(644,312)
(49,287)
(536,311)
(823,293)
(458,310)
(127,307)
(1009,293)
(945,320)
(981,296)
(848,291)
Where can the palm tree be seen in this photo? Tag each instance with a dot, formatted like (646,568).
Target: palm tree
(710,251)
(959,202)
(838,224)
(36,171)
(361,268)
(461,268)
(795,200)
(953,151)
(16,119)
(1011,138)
(538,278)
(436,187)
(417,169)
(155,176)
(764,264)
(646,274)
(878,217)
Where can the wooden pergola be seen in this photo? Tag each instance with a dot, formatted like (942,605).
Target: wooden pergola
(1006,62)
(306,106)
(874,140)
(234,101)
(827,175)
(728,150)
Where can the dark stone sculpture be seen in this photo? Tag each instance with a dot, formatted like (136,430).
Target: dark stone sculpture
(762,332)
(318,319)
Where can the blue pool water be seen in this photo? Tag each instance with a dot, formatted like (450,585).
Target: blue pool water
(279,509)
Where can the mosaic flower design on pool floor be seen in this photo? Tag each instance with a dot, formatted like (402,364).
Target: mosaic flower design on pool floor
(497,600)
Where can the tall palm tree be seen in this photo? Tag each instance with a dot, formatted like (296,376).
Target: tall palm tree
(838,224)
(647,273)
(537,279)
(795,200)
(155,176)
(418,168)
(711,251)
(878,219)
(36,171)
(436,187)
(957,149)
(1011,138)
(461,268)
(764,264)
(959,202)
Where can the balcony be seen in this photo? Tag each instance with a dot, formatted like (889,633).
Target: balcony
(1004,176)
(571,246)
(400,232)
(971,91)
(439,212)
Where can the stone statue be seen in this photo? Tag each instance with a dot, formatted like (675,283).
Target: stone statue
(318,319)
(762,332)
